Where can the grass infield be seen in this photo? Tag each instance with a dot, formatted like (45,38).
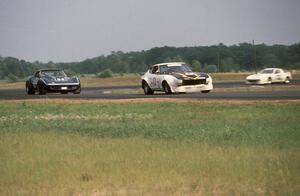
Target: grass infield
(152,147)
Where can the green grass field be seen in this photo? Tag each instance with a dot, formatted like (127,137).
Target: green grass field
(149,148)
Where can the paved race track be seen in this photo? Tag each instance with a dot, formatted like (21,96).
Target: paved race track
(99,93)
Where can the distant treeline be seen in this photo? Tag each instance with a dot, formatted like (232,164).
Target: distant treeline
(217,58)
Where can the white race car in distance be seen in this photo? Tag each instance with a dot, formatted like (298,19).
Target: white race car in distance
(269,76)
(175,77)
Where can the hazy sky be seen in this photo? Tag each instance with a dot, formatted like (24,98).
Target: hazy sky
(73,30)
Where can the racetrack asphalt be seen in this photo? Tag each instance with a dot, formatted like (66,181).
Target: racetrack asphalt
(101,93)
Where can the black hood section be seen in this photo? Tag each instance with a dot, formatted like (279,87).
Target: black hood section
(201,74)
(189,75)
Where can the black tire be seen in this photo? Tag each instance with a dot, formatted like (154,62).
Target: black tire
(29,89)
(41,89)
(205,91)
(77,91)
(269,80)
(147,89)
(167,88)
(287,80)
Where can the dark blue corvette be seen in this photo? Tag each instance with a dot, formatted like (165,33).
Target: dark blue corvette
(52,80)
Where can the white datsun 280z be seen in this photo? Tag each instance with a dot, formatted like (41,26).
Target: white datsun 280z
(175,77)
(269,76)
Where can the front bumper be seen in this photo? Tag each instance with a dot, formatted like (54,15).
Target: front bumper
(192,88)
(256,81)
(63,87)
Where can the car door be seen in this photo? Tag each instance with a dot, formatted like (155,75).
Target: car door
(278,76)
(152,77)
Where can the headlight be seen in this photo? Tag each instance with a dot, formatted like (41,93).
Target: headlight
(208,80)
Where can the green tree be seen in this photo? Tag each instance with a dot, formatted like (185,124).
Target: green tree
(12,66)
(228,65)
(210,68)
(12,78)
(293,53)
(107,73)
(50,64)
(176,58)
(196,65)
(270,60)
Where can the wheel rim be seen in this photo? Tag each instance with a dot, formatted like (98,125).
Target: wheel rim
(167,88)
(146,88)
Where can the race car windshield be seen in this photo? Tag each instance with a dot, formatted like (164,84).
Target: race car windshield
(266,71)
(180,68)
(53,73)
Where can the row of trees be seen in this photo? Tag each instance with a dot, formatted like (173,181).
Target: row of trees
(217,58)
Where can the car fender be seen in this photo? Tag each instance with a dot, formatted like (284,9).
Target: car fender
(171,80)
(145,78)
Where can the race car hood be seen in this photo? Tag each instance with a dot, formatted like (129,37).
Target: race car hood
(189,75)
(256,76)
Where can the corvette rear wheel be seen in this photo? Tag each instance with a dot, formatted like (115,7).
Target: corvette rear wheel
(147,89)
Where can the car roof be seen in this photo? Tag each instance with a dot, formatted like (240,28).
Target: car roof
(170,64)
(272,68)
(50,69)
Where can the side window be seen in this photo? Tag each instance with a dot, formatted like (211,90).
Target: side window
(154,69)
(163,69)
(277,71)
(37,74)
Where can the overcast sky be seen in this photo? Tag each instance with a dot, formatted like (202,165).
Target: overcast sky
(73,30)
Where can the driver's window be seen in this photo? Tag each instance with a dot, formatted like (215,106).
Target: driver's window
(37,74)
(154,69)
(277,72)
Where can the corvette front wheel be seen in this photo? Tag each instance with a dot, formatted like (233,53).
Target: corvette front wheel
(42,90)
(29,89)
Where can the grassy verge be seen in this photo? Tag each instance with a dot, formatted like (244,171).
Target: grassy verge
(149,148)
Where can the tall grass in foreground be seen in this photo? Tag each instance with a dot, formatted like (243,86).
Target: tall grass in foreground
(149,149)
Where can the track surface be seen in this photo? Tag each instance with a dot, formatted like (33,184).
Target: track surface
(100,93)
